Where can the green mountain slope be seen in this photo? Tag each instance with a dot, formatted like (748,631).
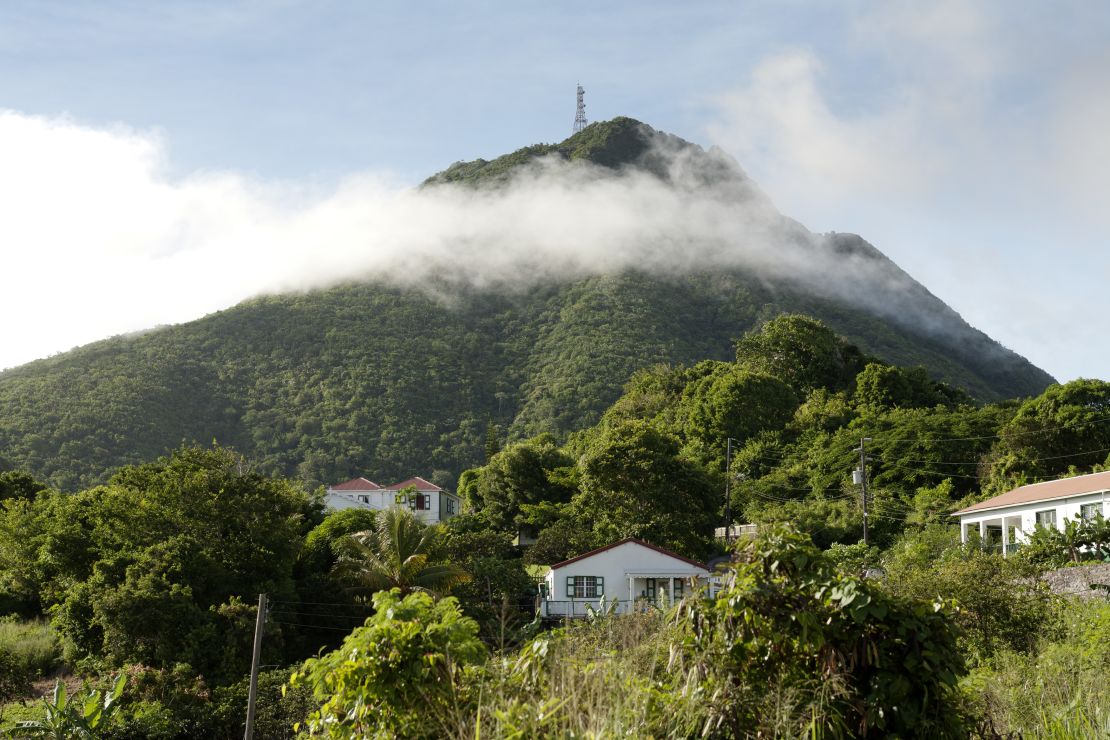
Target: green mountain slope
(370,379)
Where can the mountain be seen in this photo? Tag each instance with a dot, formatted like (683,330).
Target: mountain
(390,379)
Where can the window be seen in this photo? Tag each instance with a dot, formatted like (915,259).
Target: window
(585,587)
(399,498)
(679,586)
(450,505)
(364,499)
(1090,511)
(1047,518)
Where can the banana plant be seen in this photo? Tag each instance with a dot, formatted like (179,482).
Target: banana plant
(85,715)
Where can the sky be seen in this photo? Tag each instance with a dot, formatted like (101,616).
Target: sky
(160,161)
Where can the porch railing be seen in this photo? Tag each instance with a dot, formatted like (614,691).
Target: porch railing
(576,608)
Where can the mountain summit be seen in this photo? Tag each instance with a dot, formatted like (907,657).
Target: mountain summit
(671,253)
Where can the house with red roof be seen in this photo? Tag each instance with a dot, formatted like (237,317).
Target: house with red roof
(623,576)
(429,502)
(1005,522)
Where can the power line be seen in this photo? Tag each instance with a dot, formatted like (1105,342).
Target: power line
(316,626)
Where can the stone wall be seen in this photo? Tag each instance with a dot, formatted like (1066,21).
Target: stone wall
(1077,581)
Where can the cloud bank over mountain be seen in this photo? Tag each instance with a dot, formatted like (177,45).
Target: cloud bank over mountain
(101,240)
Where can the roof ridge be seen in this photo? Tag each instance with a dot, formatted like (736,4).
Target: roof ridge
(625,541)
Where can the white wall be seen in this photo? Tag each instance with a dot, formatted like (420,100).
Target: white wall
(615,565)
(1065,508)
(382,500)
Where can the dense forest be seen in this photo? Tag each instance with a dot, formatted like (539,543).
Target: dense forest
(387,380)
(152,577)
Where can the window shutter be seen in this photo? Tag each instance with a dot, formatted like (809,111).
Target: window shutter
(600,581)
(570,587)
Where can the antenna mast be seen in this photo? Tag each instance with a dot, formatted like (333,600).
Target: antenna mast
(580,115)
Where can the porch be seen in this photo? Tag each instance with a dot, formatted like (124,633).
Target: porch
(638,592)
(1000,533)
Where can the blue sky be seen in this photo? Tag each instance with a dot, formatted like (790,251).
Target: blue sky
(965,140)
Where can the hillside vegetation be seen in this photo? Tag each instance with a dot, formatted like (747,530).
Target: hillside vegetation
(373,379)
(154,574)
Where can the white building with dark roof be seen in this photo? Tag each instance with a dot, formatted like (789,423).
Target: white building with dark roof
(1006,521)
(626,575)
(429,502)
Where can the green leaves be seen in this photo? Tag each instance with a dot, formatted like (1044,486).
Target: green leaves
(86,715)
(395,554)
(787,616)
(399,675)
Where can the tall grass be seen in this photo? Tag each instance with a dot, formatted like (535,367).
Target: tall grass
(619,676)
(33,646)
(1062,689)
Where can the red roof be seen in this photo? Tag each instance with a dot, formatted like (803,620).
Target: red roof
(1053,489)
(418,482)
(610,546)
(357,484)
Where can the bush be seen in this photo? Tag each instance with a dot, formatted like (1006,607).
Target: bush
(277,708)
(1002,606)
(399,675)
(845,658)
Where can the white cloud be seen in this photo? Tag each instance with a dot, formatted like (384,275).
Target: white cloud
(952,135)
(100,241)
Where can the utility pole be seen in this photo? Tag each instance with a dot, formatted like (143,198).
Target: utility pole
(728,491)
(861,479)
(252,694)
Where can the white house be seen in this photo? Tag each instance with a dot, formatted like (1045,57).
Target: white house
(1005,522)
(429,502)
(631,572)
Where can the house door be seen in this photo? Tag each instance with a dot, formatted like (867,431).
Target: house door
(657,589)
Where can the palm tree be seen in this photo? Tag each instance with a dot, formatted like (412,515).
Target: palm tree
(394,554)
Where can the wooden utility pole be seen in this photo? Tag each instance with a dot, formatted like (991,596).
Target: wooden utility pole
(252,695)
(728,492)
(863,482)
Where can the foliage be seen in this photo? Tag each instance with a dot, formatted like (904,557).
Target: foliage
(1060,689)
(397,553)
(277,709)
(32,645)
(500,594)
(153,568)
(802,352)
(1001,606)
(635,483)
(788,617)
(521,474)
(17,484)
(856,558)
(1061,429)
(399,675)
(607,677)
(732,403)
(85,715)
(1078,540)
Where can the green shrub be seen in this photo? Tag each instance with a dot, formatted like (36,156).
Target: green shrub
(399,675)
(1002,606)
(845,658)
(277,709)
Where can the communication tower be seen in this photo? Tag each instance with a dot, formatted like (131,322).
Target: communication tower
(580,116)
